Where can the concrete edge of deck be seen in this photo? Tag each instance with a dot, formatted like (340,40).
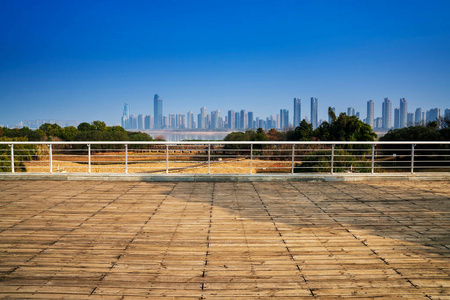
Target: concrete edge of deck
(226,177)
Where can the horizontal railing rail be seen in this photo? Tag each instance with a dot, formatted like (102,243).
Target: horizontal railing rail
(222,157)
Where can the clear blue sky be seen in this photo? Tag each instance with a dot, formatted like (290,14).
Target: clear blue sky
(81,60)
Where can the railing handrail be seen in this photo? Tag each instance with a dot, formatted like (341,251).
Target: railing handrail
(224,143)
(171,147)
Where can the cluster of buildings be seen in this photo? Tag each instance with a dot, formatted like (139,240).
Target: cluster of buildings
(233,120)
(242,120)
(402,118)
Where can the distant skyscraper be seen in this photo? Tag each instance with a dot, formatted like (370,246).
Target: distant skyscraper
(333,109)
(190,120)
(410,119)
(124,122)
(149,121)
(141,121)
(403,113)
(231,119)
(433,114)
(387,113)
(447,114)
(370,113)
(199,121)
(418,117)
(133,122)
(314,112)
(378,122)
(237,120)
(350,111)
(297,111)
(243,116)
(284,118)
(396,118)
(250,120)
(202,119)
(215,116)
(126,116)
(158,112)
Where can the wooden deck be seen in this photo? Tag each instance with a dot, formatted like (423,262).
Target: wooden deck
(133,240)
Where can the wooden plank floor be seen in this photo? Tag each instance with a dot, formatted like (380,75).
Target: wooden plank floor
(200,240)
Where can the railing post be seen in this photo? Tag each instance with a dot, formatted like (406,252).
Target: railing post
(209,159)
(412,158)
(293,158)
(251,158)
(167,159)
(373,159)
(332,158)
(89,158)
(126,158)
(50,154)
(12,158)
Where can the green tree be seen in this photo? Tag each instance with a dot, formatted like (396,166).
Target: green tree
(260,135)
(85,126)
(69,133)
(303,132)
(345,128)
(51,130)
(99,125)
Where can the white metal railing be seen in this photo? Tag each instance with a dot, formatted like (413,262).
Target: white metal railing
(224,157)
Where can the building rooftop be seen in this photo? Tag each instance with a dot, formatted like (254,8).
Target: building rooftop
(208,240)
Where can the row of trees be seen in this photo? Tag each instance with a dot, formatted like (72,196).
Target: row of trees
(342,128)
(95,131)
(346,157)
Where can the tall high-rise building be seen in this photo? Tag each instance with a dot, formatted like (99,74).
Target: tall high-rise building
(133,122)
(378,123)
(284,119)
(250,120)
(237,120)
(433,114)
(231,119)
(158,112)
(297,111)
(447,114)
(396,118)
(243,116)
(124,122)
(148,122)
(333,109)
(418,117)
(202,119)
(403,113)
(410,119)
(126,116)
(141,121)
(172,121)
(387,113)
(314,112)
(180,121)
(190,120)
(350,111)
(199,121)
(370,113)
(215,116)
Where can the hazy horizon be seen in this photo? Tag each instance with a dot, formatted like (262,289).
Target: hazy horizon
(82,60)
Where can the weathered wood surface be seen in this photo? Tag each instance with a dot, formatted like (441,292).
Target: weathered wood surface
(115,240)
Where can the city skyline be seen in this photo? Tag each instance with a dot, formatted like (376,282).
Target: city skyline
(74,60)
(242,120)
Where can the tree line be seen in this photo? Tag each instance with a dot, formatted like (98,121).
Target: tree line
(95,131)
